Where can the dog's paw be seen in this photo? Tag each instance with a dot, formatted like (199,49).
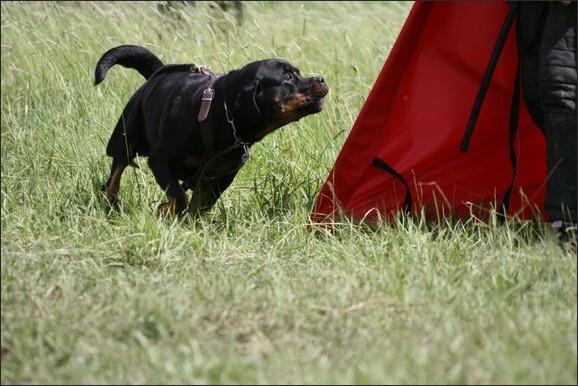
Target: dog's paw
(165,209)
(169,209)
(111,201)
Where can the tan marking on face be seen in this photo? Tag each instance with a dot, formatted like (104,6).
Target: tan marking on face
(293,103)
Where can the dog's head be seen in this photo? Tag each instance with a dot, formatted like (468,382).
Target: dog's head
(273,92)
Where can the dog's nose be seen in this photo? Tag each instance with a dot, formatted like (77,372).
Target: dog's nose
(318,86)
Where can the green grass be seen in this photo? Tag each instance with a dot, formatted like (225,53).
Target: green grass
(246,294)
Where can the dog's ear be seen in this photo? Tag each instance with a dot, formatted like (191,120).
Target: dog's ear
(258,90)
(248,96)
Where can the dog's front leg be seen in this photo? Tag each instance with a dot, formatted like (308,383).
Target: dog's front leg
(177,198)
(207,192)
(201,201)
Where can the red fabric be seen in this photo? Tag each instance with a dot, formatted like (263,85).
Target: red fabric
(415,117)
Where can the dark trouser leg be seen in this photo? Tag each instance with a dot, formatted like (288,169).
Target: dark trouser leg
(558,99)
(561,159)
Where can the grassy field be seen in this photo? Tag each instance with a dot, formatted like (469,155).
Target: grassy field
(246,294)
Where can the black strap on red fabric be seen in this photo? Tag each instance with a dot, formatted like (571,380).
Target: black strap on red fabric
(514,116)
(502,36)
(385,167)
(514,109)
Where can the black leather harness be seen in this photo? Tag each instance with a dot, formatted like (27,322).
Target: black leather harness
(207,132)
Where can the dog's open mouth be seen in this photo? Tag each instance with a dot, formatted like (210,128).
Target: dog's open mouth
(314,98)
(314,105)
(314,101)
(303,103)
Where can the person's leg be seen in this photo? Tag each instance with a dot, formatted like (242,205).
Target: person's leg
(557,94)
(530,26)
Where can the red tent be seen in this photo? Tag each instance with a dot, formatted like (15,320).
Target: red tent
(403,151)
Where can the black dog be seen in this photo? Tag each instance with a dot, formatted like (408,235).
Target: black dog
(197,127)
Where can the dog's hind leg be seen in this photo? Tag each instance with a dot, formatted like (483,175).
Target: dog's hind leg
(121,148)
(112,185)
(177,198)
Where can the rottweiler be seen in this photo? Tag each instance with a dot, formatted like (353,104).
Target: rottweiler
(196,127)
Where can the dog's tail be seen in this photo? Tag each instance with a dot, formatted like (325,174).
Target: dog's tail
(136,57)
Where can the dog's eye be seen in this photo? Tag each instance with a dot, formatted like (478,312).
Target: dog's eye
(287,77)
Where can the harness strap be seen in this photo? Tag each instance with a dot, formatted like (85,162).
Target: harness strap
(205,122)
(208,95)
(207,135)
